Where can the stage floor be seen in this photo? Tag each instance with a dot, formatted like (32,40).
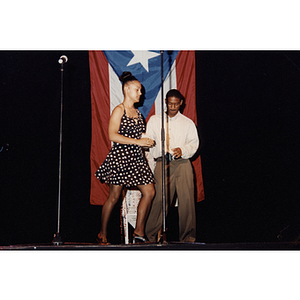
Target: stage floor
(159,247)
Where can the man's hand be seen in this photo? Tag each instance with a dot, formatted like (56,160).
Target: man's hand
(177,152)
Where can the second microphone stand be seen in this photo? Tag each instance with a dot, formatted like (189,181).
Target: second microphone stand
(57,237)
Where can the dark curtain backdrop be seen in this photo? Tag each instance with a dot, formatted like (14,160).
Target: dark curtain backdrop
(248,119)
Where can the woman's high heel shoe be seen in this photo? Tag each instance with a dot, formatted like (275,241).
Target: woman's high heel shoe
(102,240)
(138,239)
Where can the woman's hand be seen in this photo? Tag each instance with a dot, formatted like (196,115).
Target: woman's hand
(145,142)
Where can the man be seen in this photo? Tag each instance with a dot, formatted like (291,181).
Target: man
(181,143)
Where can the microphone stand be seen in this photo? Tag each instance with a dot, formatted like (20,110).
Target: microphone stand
(57,237)
(164,237)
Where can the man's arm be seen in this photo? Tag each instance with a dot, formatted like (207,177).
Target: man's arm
(191,142)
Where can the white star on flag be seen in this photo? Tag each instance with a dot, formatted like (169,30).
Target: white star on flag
(142,57)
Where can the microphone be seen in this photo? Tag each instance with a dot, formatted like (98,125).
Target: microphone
(63,59)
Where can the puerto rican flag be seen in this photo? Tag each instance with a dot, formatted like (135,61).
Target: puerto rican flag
(106,94)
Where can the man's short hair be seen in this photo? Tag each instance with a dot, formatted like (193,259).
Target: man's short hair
(174,93)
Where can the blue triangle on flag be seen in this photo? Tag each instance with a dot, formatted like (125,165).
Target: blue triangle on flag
(148,71)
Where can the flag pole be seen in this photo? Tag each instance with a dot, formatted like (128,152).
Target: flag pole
(164,237)
(57,237)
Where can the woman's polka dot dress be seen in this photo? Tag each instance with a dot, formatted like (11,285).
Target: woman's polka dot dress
(126,164)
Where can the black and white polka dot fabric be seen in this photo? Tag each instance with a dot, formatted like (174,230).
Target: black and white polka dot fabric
(126,164)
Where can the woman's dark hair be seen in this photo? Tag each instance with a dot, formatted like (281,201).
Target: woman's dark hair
(126,77)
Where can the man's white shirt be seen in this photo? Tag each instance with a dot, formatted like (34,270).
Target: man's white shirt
(180,131)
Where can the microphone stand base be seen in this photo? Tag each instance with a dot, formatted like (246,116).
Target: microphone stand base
(163,239)
(57,239)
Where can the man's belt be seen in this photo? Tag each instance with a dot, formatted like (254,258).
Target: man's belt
(168,157)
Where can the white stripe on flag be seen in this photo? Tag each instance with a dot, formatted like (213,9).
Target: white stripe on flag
(169,83)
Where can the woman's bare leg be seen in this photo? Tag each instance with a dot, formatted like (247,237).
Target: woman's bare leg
(148,192)
(113,197)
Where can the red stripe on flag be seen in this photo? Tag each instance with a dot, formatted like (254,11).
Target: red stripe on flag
(151,112)
(186,84)
(100,144)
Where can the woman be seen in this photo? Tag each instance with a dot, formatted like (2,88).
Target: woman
(125,164)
